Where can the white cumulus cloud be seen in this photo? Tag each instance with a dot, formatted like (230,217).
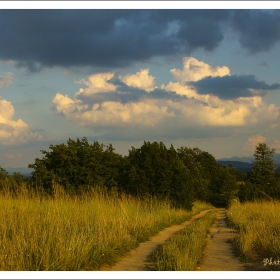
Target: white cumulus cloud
(110,113)
(99,102)
(12,131)
(97,83)
(141,79)
(194,70)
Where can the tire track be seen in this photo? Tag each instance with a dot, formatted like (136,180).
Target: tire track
(219,255)
(136,260)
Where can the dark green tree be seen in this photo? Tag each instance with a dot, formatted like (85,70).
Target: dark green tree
(212,182)
(238,174)
(157,171)
(182,187)
(191,158)
(77,164)
(249,192)
(226,187)
(274,188)
(262,181)
(17,178)
(263,171)
(3,173)
(4,177)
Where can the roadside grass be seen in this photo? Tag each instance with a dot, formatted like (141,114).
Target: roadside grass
(258,225)
(73,233)
(184,250)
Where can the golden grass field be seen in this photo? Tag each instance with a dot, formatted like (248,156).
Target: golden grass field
(78,233)
(258,225)
(86,232)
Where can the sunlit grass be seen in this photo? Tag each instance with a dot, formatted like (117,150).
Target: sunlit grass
(258,225)
(78,233)
(183,250)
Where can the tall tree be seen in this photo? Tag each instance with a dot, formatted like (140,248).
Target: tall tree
(155,170)
(263,171)
(191,158)
(226,187)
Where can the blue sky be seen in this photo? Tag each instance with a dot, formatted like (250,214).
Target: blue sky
(191,77)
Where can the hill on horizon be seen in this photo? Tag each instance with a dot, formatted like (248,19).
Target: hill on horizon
(249,159)
(241,165)
(23,170)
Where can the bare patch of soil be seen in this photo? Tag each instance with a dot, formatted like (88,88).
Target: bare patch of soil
(219,254)
(136,260)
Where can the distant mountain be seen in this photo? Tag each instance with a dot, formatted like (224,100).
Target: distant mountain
(237,159)
(22,170)
(277,159)
(242,166)
(249,159)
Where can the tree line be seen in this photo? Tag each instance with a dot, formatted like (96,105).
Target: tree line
(181,175)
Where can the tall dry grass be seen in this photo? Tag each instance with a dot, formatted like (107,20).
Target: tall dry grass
(77,233)
(258,225)
(184,250)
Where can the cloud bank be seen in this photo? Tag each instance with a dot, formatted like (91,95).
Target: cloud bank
(258,30)
(117,38)
(107,103)
(230,87)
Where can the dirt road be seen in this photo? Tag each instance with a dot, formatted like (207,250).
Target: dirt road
(219,255)
(136,260)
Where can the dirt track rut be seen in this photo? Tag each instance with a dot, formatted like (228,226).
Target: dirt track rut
(136,260)
(219,255)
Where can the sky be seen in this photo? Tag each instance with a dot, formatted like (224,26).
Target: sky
(206,78)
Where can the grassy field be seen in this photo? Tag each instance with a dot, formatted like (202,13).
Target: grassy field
(258,225)
(183,250)
(78,233)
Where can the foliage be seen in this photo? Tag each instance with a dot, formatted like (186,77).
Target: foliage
(3,177)
(181,175)
(262,181)
(3,173)
(12,183)
(263,171)
(248,192)
(274,189)
(77,164)
(238,174)
(226,187)
(17,178)
(154,170)
(192,159)
(212,182)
